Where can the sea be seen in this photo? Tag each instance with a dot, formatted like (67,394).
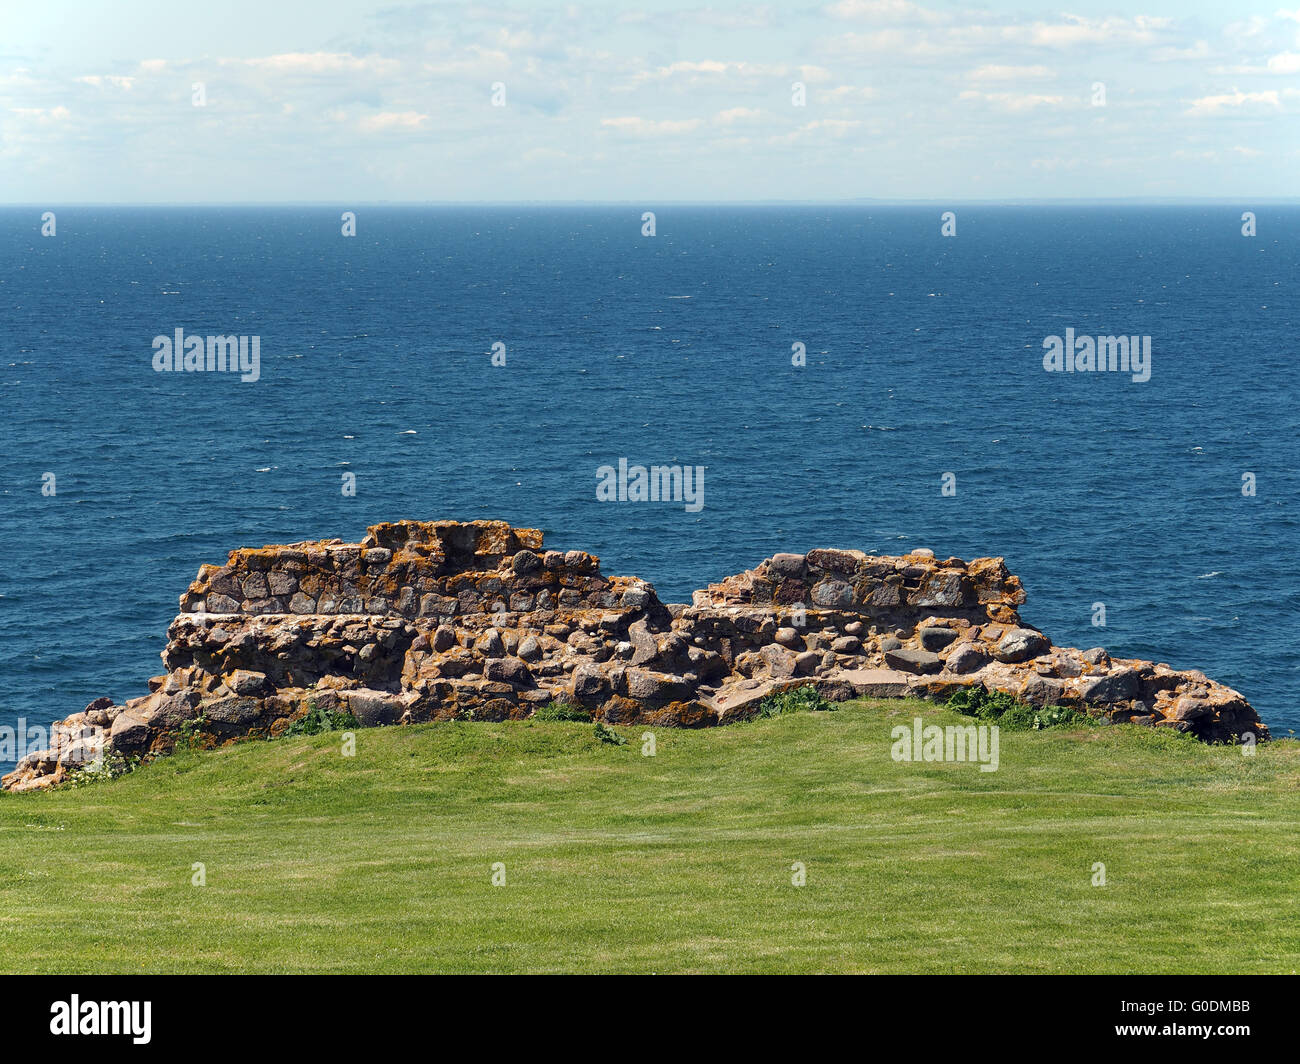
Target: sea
(847,376)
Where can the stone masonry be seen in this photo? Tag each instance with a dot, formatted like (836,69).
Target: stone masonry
(443,620)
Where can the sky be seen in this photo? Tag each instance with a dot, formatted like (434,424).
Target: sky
(649,102)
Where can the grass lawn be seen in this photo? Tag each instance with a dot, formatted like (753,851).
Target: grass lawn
(679,862)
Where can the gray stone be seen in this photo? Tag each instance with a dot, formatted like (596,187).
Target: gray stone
(507,670)
(788,637)
(887,594)
(835,561)
(281,583)
(636,597)
(645,648)
(246,682)
(526,562)
(589,683)
(374,708)
(129,734)
(1020,644)
(832,595)
(783,565)
(779,661)
(920,661)
(966,658)
(1120,685)
(235,710)
(256,587)
(657,687)
(1190,708)
(805,664)
(1042,691)
(936,638)
(875,683)
(489,644)
(944,588)
(432,605)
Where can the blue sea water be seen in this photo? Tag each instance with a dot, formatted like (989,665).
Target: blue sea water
(924,357)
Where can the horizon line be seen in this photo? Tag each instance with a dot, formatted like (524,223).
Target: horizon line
(644,203)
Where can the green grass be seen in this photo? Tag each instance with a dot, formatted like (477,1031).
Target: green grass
(678,862)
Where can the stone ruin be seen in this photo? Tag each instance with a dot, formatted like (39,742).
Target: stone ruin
(443,620)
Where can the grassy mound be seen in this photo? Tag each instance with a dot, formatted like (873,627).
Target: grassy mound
(684,861)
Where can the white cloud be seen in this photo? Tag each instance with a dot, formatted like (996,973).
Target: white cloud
(844,93)
(882,11)
(646,127)
(1075,29)
(1012,101)
(736,114)
(819,129)
(392,120)
(318,63)
(109,80)
(835,125)
(43,115)
(1284,63)
(1000,72)
(1199,50)
(1208,105)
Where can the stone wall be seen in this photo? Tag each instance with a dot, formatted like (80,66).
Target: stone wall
(427,621)
(437,569)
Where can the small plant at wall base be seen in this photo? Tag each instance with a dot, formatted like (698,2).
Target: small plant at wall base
(113,765)
(319,719)
(560,711)
(189,733)
(1008,712)
(608,735)
(799,700)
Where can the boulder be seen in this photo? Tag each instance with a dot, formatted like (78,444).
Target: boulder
(657,687)
(1020,644)
(934,638)
(374,708)
(129,735)
(789,638)
(247,682)
(914,661)
(589,683)
(967,658)
(787,565)
(1118,685)
(875,683)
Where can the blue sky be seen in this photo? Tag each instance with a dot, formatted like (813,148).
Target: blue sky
(347,102)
